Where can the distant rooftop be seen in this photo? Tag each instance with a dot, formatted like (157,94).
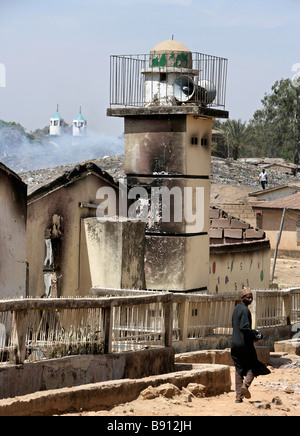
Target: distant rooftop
(291,202)
(262,192)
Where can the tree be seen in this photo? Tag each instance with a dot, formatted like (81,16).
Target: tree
(275,129)
(218,145)
(236,136)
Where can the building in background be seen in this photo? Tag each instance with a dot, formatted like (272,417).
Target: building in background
(70,250)
(56,124)
(280,219)
(79,127)
(13,216)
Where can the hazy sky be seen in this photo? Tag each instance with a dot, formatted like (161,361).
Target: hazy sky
(57,51)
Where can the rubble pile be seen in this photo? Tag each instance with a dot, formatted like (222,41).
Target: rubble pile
(246,171)
(112,164)
(243,172)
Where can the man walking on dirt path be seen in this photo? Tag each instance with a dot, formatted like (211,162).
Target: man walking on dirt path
(243,352)
(263,178)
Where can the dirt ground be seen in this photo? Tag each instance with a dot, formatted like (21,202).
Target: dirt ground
(276,394)
(229,193)
(287,272)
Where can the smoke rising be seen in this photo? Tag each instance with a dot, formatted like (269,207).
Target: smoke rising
(19,154)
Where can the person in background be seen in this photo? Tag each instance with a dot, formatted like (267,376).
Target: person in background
(243,353)
(263,178)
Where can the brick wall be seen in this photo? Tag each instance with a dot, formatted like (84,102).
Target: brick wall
(238,210)
(225,229)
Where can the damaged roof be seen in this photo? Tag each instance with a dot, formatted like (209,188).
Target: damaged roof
(78,172)
(10,172)
(230,233)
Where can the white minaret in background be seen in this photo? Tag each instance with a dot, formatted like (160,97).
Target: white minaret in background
(79,125)
(56,124)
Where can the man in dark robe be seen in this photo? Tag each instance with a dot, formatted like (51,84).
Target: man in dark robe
(243,352)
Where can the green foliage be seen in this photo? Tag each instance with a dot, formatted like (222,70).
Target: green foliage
(236,136)
(12,125)
(14,138)
(38,135)
(274,129)
(12,135)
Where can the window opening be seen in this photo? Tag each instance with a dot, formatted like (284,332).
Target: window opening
(194,140)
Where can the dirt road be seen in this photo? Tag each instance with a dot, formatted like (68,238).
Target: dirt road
(287,272)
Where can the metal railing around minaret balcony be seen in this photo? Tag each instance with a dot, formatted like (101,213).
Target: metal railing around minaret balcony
(129,74)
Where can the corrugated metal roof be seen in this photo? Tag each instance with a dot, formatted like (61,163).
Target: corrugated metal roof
(288,202)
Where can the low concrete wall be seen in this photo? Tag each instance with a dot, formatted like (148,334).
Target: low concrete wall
(274,334)
(215,378)
(205,343)
(218,357)
(221,342)
(16,380)
(292,346)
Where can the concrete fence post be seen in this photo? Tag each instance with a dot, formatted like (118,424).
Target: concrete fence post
(287,307)
(168,322)
(183,316)
(254,308)
(18,336)
(108,329)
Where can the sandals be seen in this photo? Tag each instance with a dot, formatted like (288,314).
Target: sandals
(246,392)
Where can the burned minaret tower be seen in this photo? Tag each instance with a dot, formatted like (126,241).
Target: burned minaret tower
(168,99)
